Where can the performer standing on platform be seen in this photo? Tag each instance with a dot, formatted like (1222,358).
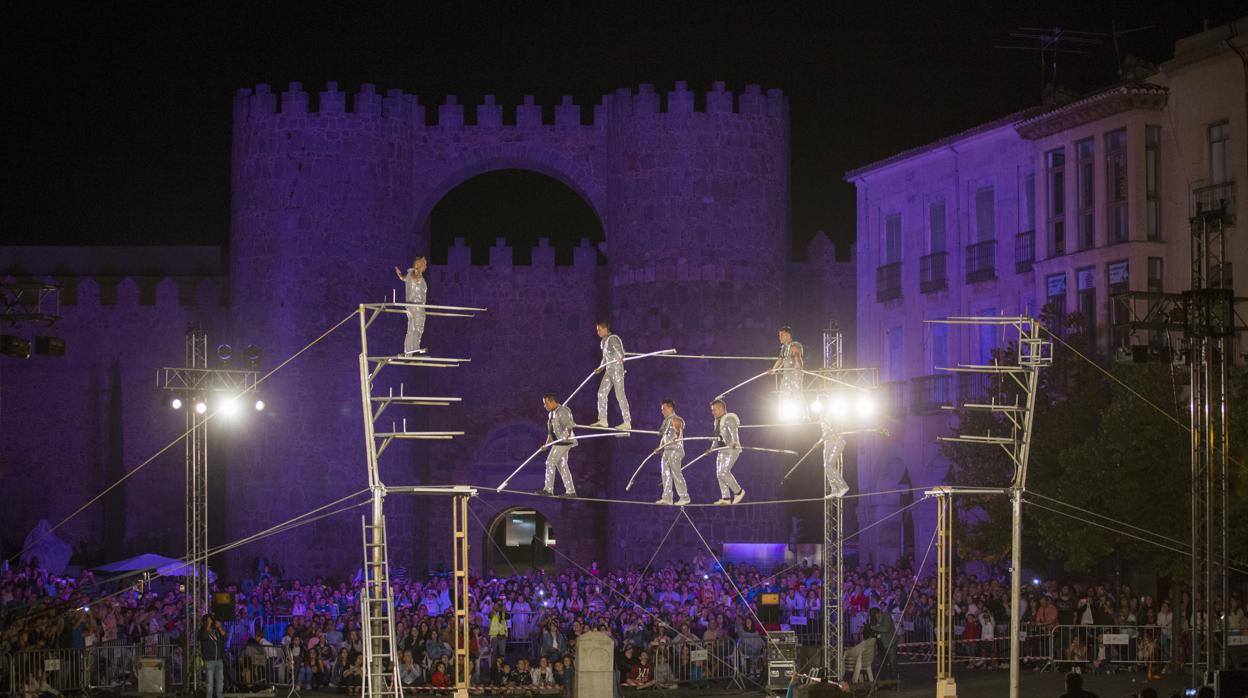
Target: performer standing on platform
(728,440)
(558,429)
(672,446)
(613,377)
(790,365)
(415,290)
(834,431)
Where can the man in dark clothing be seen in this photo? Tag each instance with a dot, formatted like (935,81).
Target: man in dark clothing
(212,651)
(885,632)
(1074,687)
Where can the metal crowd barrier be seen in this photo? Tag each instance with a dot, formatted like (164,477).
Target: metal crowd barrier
(60,669)
(1093,646)
(695,661)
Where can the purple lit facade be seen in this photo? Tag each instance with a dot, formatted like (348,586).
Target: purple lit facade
(1061,205)
(332,191)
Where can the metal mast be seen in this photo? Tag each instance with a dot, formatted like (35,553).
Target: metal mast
(196,445)
(1205,314)
(1016,416)
(381,662)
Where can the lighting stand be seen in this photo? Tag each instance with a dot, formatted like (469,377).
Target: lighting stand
(1022,378)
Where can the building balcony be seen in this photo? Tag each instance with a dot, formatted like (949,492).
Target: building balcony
(888,282)
(928,394)
(1024,251)
(977,388)
(981,262)
(1214,197)
(932,276)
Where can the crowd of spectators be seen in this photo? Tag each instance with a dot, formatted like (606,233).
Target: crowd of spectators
(523,627)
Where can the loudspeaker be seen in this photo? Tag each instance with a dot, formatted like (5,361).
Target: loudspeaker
(223,606)
(769,608)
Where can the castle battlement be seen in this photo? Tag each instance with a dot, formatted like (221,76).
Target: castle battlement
(502,256)
(131,292)
(262,103)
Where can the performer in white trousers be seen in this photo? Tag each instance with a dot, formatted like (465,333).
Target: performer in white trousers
(672,446)
(558,427)
(728,440)
(790,365)
(415,290)
(833,448)
(613,376)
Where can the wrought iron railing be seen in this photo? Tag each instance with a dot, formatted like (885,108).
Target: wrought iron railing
(888,282)
(932,275)
(981,261)
(1024,251)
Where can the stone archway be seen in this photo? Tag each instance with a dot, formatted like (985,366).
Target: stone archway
(516,541)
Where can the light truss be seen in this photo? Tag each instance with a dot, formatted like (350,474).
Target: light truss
(33,302)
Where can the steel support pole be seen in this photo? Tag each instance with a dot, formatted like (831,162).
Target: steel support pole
(1016,574)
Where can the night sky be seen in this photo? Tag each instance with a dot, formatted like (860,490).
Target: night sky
(117,115)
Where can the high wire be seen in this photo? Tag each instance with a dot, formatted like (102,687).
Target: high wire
(173,443)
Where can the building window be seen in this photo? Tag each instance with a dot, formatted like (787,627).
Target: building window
(1116,184)
(1055,162)
(1219,152)
(1086,280)
(1055,301)
(1029,201)
(936,226)
(1118,276)
(888,274)
(896,371)
(987,336)
(1152,175)
(940,346)
(985,214)
(1156,338)
(1085,174)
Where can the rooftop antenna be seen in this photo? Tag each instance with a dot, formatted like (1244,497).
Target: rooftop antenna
(1115,32)
(1050,42)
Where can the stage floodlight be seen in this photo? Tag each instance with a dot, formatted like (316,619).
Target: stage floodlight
(201,407)
(229,406)
(816,406)
(176,404)
(865,406)
(49,346)
(839,407)
(259,405)
(12,345)
(224,352)
(789,410)
(253,354)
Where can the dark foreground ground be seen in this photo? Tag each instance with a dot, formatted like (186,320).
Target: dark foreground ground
(917,680)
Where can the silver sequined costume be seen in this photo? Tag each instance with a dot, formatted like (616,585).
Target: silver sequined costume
(673,453)
(833,449)
(416,290)
(790,370)
(612,377)
(559,426)
(727,437)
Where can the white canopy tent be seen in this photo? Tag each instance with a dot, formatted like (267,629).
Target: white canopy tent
(149,562)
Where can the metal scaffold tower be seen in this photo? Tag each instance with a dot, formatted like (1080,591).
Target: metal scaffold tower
(191,385)
(835,374)
(1205,314)
(381,662)
(1012,405)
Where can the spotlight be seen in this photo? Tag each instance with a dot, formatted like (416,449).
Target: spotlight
(816,406)
(49,346)
(201,407)
(229,407)
(865,406)
(1036,581)
(177,403)
(224,352)
(259,405)
(252,354)
(839,407)
(13,345)
(788,410)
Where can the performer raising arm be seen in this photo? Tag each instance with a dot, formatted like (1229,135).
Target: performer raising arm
(558,428)
(415,290)
(728,440)
(612,369)
(789,365)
